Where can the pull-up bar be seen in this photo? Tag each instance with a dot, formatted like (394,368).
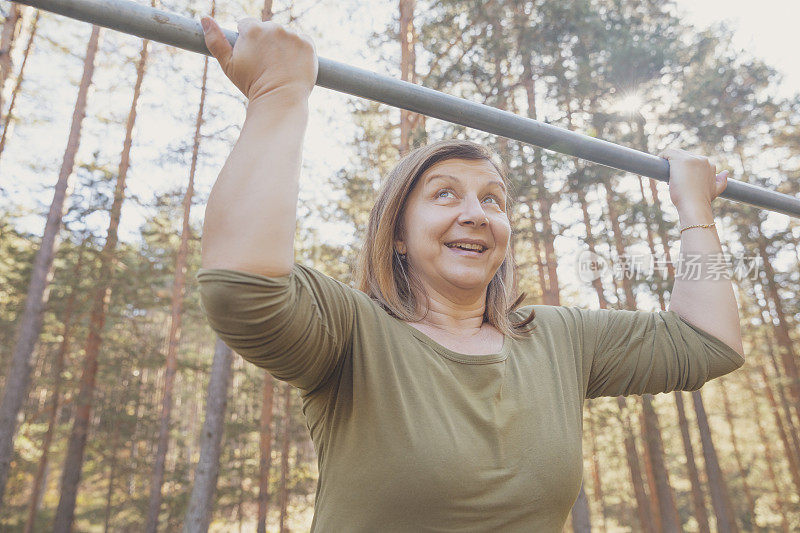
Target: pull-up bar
(168,28)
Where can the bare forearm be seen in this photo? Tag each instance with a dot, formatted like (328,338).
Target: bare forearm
(708,304)
(251,214)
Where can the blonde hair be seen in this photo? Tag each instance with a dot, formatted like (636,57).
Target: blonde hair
(383,274)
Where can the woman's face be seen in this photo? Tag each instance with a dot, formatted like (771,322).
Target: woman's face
(456,228)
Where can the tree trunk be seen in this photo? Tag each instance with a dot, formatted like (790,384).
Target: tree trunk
(751,503)
(112,472)
(55,397)
(794,468)
(580,191)
(667,508)
(597,283)
(201,502)
(791,428)
(9,116)
(77,441)
(408,59)
(265,450)
(643,509)
(767,278)
(173,340)
(266,12)
(698,501)
(550,292)
(619,246)
(596,479)
(240,502)
(787,351)
(720,500)
(537,254)
(662,227)
(131,485)
(652,489)
(30,325)
(9,33)
(285,441)
(768,455)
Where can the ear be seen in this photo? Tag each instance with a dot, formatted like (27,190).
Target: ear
(399,241)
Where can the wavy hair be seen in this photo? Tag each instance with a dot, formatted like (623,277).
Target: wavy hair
(384,275)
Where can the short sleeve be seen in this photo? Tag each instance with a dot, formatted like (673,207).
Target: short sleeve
(297,327)
(638,352)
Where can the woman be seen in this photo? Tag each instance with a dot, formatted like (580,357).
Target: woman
(433,405)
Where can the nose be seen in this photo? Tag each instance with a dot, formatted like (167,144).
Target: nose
(472,213)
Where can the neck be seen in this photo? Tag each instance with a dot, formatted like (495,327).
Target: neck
(462,317)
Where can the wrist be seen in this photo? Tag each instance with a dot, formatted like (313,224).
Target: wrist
(294,94)
(273,107)
(695,214)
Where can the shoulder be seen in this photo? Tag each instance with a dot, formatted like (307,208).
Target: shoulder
(321,283)
(561,322)
(552,314)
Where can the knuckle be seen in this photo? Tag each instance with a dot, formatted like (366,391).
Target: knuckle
(304,41)
(249,26)
(251,30)
(277,29)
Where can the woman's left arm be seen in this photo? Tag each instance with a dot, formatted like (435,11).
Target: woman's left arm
(699,295)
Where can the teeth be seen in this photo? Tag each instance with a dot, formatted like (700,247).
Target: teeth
(466,246)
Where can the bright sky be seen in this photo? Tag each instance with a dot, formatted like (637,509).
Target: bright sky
(766,28)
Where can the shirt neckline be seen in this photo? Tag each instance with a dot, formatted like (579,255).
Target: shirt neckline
(470,359)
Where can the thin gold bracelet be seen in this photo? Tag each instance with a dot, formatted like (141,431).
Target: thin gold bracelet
(698,226)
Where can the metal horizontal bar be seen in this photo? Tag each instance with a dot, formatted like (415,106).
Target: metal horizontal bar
(186,33)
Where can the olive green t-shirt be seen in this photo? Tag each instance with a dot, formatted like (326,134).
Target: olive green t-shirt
(411,436)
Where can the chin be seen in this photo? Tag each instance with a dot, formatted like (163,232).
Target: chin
(469,282)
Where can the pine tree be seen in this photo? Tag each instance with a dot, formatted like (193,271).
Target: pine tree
(55,401)
(30,325)
(174,336)
(77,442)
(201,502)
(8,35)
(9,116)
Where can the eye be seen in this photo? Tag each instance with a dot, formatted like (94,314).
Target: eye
(493,197)
(441,193)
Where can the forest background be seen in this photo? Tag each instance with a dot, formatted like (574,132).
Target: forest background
(125,372)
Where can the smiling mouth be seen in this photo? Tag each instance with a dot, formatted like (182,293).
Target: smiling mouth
(475,249)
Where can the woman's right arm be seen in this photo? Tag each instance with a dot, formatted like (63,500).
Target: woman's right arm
(251,213)
(288,319)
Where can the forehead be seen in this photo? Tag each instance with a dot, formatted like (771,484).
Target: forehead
(480,170)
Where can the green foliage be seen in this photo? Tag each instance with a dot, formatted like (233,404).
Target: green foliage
(581,57)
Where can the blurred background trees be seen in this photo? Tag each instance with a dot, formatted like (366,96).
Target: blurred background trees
(631,72)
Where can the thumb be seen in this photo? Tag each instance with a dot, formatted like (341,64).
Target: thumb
(721,182)
(216,42)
